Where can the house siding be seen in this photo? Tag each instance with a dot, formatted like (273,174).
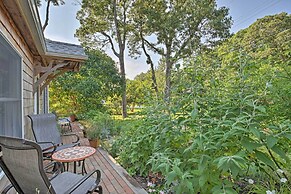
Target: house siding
(11,33)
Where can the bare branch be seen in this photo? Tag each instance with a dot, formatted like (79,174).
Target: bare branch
(46,15)
(111,43)
(153,47)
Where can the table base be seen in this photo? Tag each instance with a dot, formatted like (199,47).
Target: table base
(81,162)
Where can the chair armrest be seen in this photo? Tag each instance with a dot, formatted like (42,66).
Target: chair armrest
(73,134)
(56,165)
(7,188)
(97,181)
(53,146)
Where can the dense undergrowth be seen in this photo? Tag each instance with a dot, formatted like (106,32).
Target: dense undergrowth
(226,130)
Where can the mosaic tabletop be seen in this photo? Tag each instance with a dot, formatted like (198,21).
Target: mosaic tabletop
(73,154)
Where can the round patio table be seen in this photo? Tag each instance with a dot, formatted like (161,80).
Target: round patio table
(74,154)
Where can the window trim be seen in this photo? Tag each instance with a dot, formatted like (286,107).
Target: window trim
(21,86)
(21,80)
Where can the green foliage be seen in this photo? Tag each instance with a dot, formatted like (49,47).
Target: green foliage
(140,91)
(229,120)
(80,92)
(98,124)
(178,32)
(104,23)
(94,132)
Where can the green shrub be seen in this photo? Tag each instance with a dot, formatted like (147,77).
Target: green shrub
(216,134)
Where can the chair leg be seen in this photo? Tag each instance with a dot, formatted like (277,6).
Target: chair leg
(99,190)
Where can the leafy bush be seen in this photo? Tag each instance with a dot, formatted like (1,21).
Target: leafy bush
(219,131)
(100,123)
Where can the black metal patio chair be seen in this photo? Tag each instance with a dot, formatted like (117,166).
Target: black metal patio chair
(47,135)
(22,163)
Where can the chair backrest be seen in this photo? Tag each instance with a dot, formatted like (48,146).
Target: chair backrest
(22,163)
(44,127)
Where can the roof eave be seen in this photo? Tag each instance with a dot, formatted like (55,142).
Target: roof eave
(67,56)
(29,10)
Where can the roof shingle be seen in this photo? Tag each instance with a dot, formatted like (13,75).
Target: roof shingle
(64,48)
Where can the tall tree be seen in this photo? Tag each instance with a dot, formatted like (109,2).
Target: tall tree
(180,28)
(104,22)
(83,91)
(55,3)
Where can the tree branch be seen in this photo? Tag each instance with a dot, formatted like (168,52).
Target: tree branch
(47,15)
(149,61)
(111,43)
(154,48)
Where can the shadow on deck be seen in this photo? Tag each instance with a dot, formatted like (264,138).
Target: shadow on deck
(114,179)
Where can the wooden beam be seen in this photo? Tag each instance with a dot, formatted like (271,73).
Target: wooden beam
(46,74)
(51,77)
(41,69)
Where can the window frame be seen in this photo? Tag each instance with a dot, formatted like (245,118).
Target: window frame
(3,36)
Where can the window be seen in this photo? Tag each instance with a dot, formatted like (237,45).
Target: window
(10,90)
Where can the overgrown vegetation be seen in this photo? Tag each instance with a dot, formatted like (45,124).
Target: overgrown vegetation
(227,128)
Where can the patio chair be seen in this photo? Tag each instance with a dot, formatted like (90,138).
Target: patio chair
(47,135)
(22,163)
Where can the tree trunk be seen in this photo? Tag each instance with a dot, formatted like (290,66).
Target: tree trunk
(47,15)
(168,82)
(169,65)
(123,85)
(132,107)
(121,44)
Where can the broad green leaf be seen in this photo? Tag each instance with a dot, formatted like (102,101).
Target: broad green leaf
(187,175)
(256,132)
(171,177)
(217,190)
(280,152)
(264,158)
(162,166)
(222,163)
(250,144)
(271,141)
(261,108)
(288,135)
(194,113)
(202,180)
(240,129)
(177,170)
(234,170)
(250,103)
(189,185)
(229,190)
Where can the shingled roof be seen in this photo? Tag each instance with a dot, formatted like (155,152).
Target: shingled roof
(64,48)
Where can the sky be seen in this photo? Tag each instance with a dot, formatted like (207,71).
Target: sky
(63,23)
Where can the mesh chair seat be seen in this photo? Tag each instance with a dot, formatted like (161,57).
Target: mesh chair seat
(66,180)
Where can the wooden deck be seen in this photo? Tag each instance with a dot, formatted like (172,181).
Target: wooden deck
(114,179)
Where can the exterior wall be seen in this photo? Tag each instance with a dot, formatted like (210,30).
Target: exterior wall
(10,32)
